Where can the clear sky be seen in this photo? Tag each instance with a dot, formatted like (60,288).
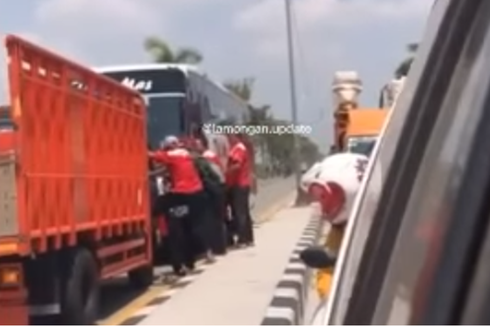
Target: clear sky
(238,38)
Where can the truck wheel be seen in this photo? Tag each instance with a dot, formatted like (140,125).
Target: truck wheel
(80,290)
(142,277)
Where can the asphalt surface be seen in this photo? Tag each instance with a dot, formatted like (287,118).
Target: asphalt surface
(238,288)
(119,300)
(270,192)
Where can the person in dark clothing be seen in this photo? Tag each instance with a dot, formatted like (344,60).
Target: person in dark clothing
(230,221)
(241,214)
(182,237)
(239,158)
(208,221)
(213,180)
(230,225)
(184,194)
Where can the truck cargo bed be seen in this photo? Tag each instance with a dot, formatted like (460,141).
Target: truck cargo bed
(77,168)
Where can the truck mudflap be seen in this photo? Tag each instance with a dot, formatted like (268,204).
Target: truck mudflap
(14,313)
(14,309)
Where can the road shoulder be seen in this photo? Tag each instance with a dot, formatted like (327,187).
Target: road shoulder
(289,301)
(238,288)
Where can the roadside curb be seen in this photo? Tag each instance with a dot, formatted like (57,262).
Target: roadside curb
(288,303)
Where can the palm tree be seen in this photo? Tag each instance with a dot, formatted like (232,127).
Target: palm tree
(163,53)
(404,67)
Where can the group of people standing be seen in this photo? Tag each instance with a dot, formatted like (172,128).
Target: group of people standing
(206,205)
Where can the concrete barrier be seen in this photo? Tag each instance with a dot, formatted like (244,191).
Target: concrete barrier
(288,303)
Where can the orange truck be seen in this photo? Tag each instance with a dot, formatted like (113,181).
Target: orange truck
(74,206)
(363,129)
(355,128)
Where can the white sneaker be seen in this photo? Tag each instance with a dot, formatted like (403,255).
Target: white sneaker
(210,258)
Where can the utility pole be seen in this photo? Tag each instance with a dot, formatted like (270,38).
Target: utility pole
(292,83)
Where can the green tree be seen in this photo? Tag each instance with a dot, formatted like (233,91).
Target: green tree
(309,151)
(258,115)
(404,67)
(163,53)
(244,89)
(277,149)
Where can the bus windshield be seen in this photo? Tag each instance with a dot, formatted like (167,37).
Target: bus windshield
(164,91)
(361,144)
(165,118)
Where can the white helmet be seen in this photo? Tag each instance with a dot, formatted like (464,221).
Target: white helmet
(337,183)
(169,141)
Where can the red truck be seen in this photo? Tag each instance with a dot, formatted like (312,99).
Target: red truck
(74,202)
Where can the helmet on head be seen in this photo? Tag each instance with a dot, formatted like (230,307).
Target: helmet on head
(336,185)
(169,142)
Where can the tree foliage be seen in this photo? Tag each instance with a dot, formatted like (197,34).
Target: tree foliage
(161,52)
(277,149)
(404,67)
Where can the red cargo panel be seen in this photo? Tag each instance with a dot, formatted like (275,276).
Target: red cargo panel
(80,151)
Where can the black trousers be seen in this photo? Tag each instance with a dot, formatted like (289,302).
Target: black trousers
(214,220)
(230,224)
(205,225)
(241,214)
(182,234)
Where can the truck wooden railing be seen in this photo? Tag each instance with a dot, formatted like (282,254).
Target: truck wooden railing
(74,206)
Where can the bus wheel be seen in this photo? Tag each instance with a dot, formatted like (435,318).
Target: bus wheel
(142,277)
(80,289)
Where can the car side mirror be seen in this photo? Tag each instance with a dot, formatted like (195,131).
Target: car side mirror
(317,257)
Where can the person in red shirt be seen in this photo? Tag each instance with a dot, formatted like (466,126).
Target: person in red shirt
(240,170)
(185,191)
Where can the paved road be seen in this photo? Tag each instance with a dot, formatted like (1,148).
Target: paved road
(120,301)
(237,289)
(270,193)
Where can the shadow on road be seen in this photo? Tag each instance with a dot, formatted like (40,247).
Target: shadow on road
(116,294)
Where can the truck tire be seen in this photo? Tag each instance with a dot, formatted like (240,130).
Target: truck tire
(80,289)
(142,277)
